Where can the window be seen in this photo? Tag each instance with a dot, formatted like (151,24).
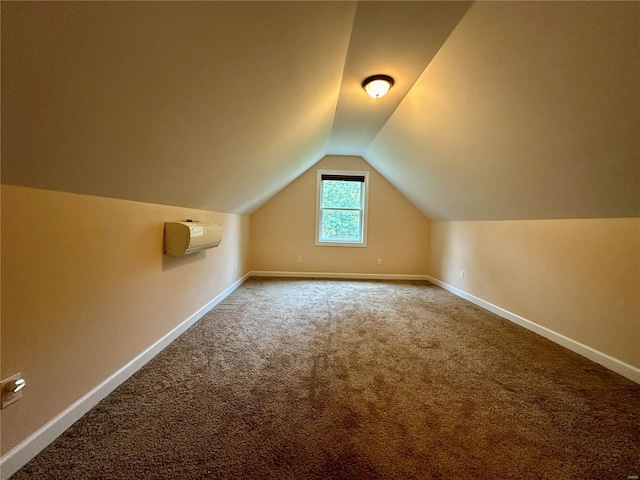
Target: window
(342,208)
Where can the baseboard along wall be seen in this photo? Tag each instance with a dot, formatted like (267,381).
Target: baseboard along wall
(354,276)
(607,361)
(20,455)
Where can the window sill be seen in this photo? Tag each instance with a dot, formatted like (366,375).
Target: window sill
(338,244)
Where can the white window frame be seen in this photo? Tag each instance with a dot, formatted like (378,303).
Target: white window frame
(364,208)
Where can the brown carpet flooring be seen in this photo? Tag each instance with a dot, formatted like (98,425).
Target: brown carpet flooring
(327,379)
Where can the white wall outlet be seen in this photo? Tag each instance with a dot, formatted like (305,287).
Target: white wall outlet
(8,387)
(299,259)
(461,273)
(379,261)
(235,267)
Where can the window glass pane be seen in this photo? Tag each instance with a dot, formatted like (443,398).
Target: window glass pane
(340,226)
(340,194)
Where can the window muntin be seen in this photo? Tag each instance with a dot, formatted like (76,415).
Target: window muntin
(341,213)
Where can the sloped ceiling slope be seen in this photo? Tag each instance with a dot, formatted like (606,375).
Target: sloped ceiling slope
(531,110)
(501,110)
(213,105)
(397,39)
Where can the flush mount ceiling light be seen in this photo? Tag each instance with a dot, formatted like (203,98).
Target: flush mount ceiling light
(377,86)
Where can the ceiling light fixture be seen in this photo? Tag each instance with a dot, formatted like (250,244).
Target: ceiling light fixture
(377,86)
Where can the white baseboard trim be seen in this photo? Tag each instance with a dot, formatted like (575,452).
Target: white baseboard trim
(22,453)
(352,276)
(618,366)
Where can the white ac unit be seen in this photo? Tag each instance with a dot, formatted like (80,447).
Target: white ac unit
(183,238)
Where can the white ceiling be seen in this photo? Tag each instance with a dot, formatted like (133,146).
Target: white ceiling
(386,38)
(530,110)
(505,110)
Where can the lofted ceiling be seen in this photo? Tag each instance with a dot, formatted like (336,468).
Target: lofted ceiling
(501,110)
(393,39)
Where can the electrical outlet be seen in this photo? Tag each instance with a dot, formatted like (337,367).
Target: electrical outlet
(461,273)
(299,259)
(235,267)
(7,389)
(379,261)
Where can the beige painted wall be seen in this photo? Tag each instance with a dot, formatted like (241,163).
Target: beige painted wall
(86,288)
(579,278)
(284,228)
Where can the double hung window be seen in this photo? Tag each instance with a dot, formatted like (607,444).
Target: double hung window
(342,208)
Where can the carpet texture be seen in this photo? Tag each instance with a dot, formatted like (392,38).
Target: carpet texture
(330,379)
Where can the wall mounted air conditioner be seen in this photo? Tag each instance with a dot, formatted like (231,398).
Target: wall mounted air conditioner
(183,238)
